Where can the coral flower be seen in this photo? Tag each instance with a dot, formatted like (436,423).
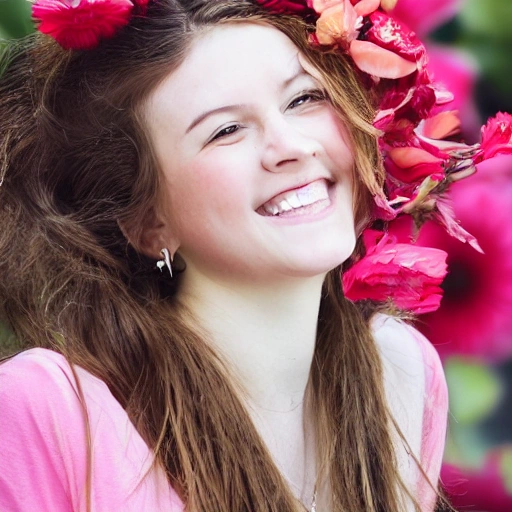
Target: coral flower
(80,24)
(337,24)
(408,275)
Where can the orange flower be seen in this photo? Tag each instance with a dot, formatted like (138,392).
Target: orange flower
(338,23)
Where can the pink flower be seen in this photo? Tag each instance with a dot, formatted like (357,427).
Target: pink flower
(458,73)
(390,34)
(407,274)
(80,24)
(425,16)
(403,106)
(387,49)
(453,68)
(475,313)
(285,6)
(497,135)
(479,489)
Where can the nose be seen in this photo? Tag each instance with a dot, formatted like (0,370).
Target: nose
(287,145)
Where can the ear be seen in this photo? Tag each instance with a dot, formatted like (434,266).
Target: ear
(151,236)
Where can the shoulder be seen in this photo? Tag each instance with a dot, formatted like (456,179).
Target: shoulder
(42,432)
(407,354)
(46,426)
(417,396)
(41,382)
(35,379)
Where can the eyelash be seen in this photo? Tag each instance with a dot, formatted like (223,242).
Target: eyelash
(304,97)
(310,96)
(225,131)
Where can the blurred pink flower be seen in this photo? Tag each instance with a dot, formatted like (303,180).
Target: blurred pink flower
(408,275)
(475,314)
(478,489)
(427,15)
(458,72)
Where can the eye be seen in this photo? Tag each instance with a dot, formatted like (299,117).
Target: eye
(307,97)
(228,130)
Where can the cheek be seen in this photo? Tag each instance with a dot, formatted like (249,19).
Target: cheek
(207,191)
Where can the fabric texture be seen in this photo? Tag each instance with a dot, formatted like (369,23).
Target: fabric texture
(43,450)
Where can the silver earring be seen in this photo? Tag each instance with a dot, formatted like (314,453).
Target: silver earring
(166,262)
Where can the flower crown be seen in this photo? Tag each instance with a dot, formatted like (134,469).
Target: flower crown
(416,130)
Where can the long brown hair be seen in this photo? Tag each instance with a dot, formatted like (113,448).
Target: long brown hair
(78,172)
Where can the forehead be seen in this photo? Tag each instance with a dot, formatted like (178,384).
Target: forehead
(225,65)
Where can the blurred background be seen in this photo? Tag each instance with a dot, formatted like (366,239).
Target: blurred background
(470,46)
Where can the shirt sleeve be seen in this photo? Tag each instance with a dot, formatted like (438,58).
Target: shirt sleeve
(44,438)
(42,433)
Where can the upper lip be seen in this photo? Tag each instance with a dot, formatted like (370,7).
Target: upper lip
(296,187)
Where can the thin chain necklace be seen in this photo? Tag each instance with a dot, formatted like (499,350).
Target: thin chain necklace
(313,504)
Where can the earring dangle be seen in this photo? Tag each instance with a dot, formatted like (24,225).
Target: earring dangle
(166,261)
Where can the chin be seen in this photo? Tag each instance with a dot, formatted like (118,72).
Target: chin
(320,263)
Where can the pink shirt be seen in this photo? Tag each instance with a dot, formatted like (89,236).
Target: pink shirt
(43,453)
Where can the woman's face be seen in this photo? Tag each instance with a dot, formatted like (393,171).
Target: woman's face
(257,166)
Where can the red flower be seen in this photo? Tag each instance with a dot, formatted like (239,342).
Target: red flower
(407,274)
(80,24)
(389,34)
(497,135)
(286,6)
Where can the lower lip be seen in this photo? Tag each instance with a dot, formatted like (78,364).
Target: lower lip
(310,213)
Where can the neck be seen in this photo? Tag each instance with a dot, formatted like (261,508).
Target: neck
(266,334)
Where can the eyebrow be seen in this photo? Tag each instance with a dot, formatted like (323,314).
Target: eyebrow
(200,118)
(209,113)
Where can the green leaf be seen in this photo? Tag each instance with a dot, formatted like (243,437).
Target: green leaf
(488,18)
(474,390)
(15,19)
(466,447)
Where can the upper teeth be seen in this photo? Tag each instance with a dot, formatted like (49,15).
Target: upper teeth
(304,196)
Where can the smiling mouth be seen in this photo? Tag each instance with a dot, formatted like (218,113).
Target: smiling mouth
(310,198)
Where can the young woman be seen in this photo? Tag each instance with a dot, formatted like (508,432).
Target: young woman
(178,198)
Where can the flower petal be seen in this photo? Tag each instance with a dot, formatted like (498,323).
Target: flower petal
(81,25)
(442,125)
(337,25)
(408,157)
(379,62)
(424,16)
(409,275)
(366,7)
